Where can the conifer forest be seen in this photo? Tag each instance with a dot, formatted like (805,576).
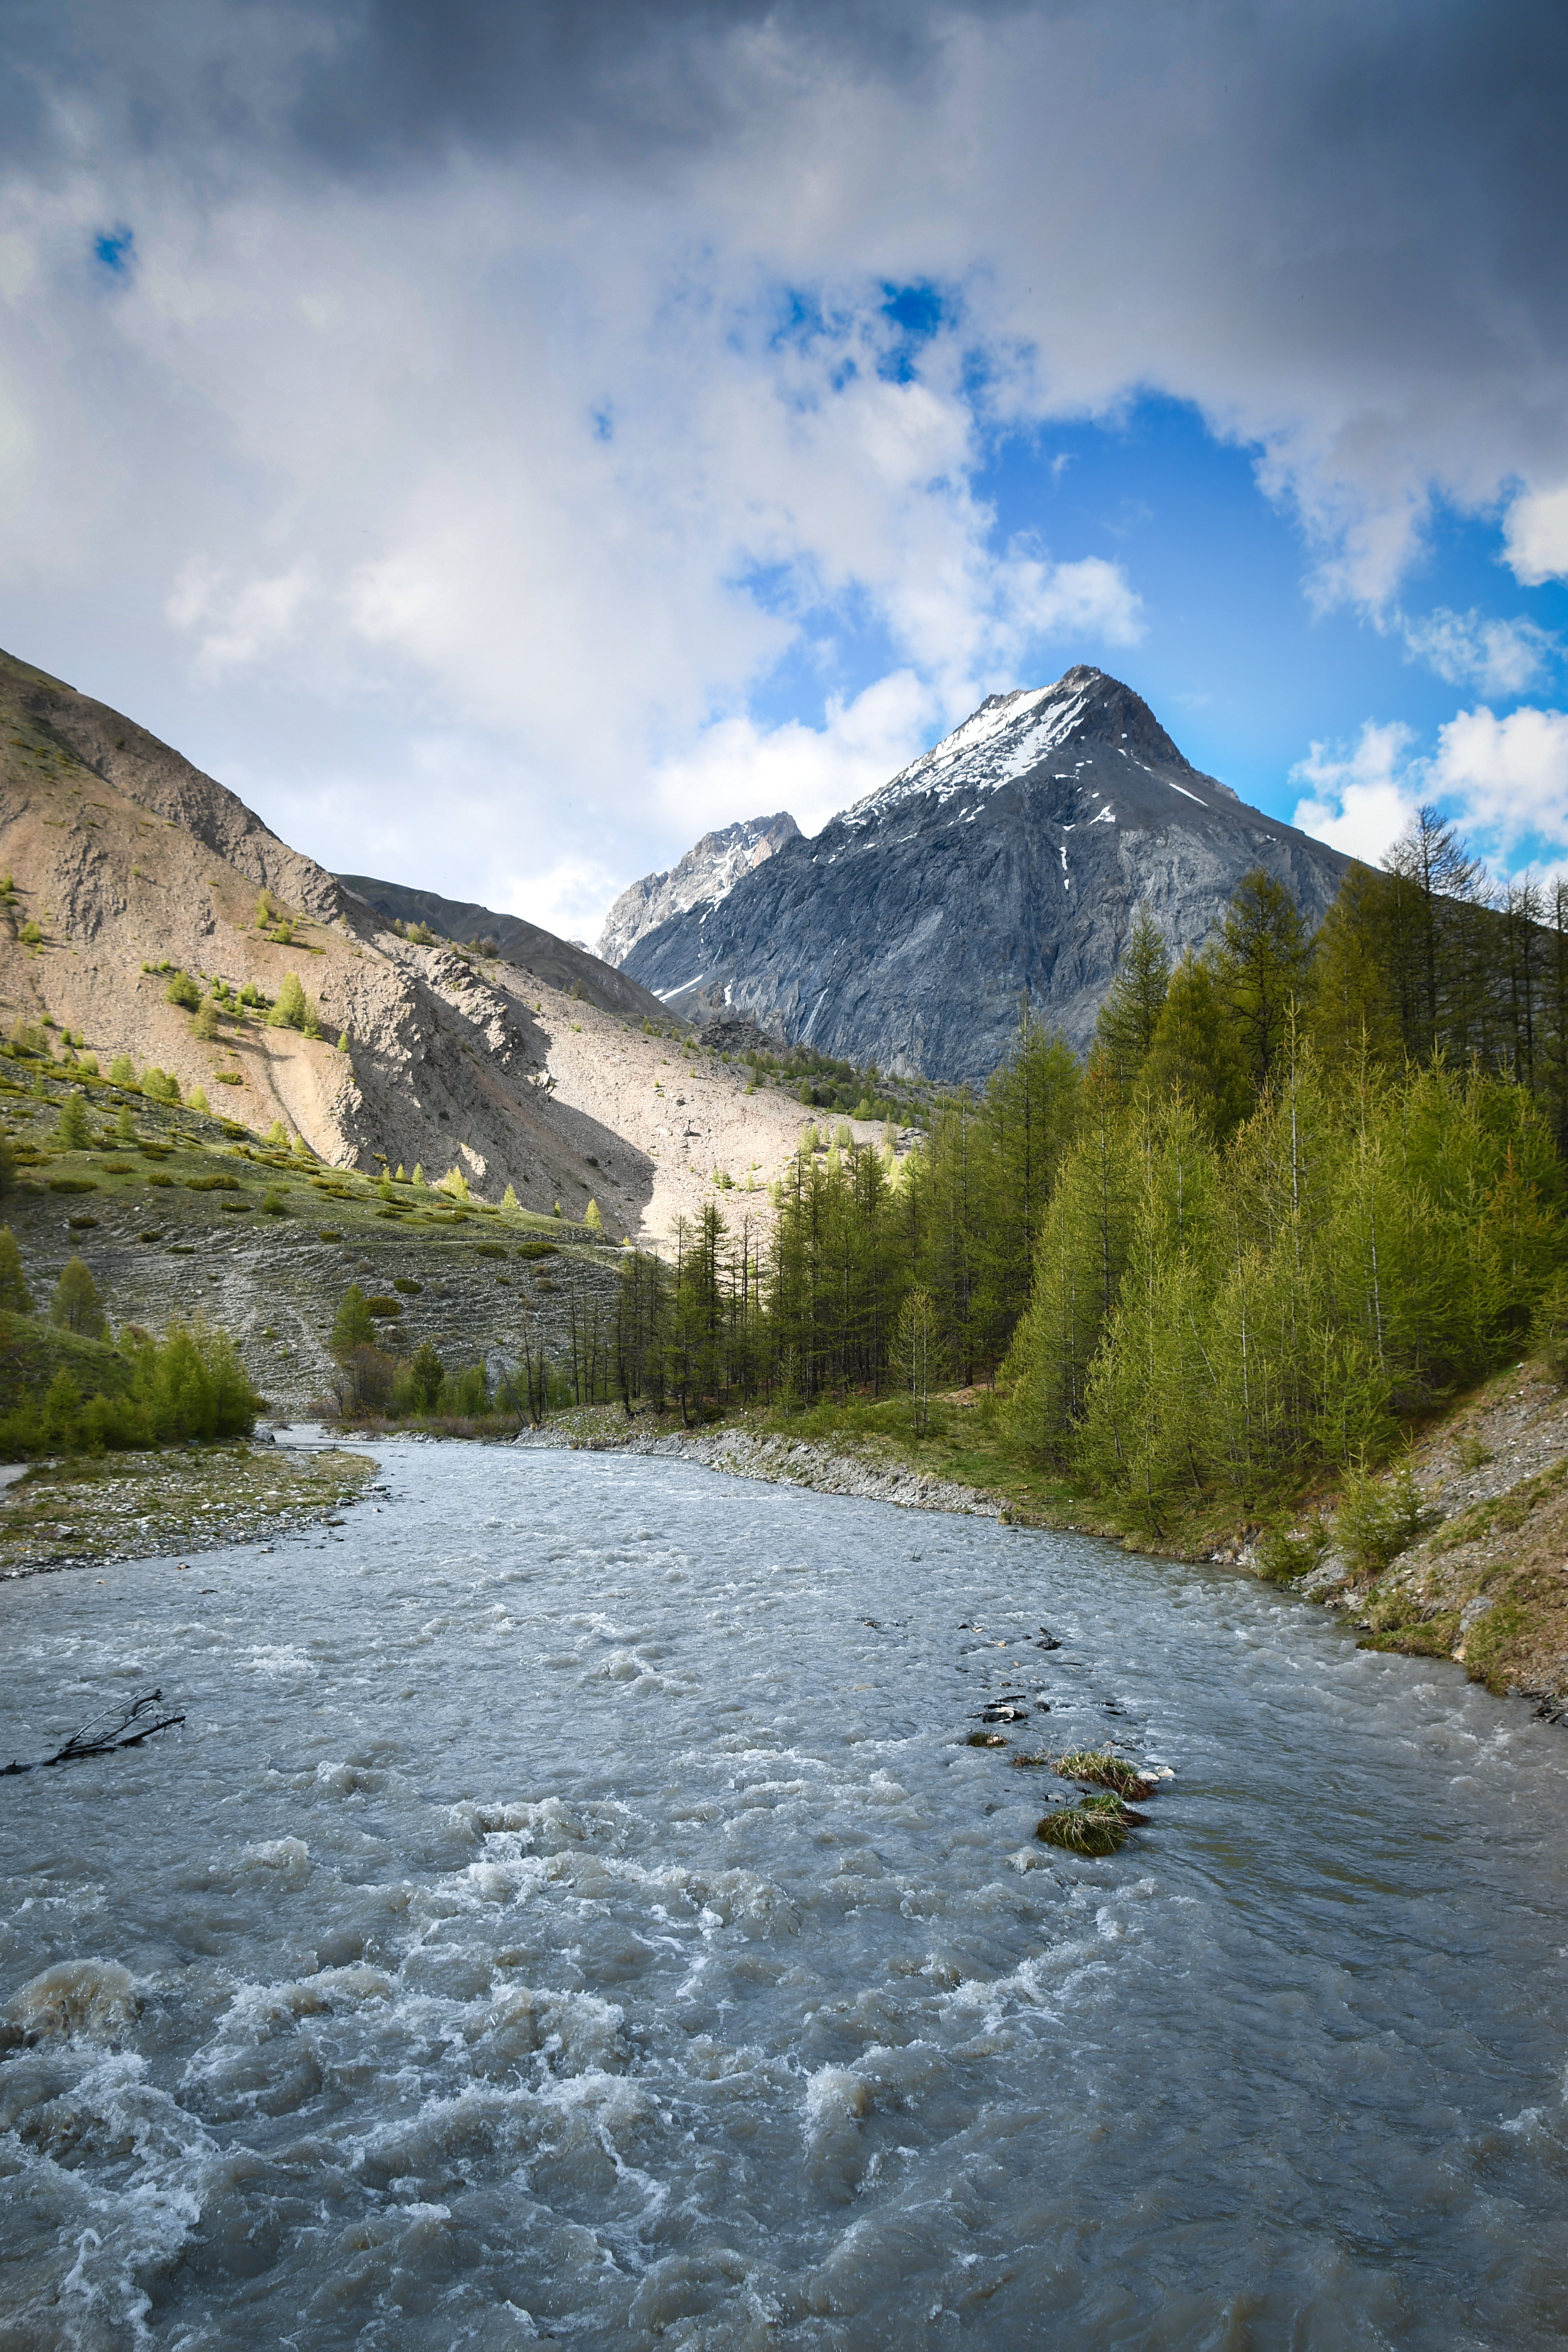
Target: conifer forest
(1303,1189)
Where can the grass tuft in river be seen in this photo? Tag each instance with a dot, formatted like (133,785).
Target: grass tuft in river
(986,1739)
(1099,1769)
(1095,1825)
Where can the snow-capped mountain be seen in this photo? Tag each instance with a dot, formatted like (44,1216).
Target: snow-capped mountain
(706,873)
(1012,858)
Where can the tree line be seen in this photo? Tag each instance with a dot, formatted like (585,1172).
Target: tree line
(1302,1186)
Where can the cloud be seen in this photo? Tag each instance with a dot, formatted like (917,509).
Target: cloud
(737,768)
(1470,650)
(1507,778)
(239,623)
(534,381)
(1359,801)
(1535,535)
(1503,782)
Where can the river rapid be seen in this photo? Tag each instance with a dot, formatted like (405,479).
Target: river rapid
(571,1911)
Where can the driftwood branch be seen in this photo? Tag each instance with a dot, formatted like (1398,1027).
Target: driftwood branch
(120,1726)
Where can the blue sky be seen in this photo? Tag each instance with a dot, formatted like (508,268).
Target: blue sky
(503,459)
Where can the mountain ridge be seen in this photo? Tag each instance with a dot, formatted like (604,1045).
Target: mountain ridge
(1008,862)
(128,870)
(705,874)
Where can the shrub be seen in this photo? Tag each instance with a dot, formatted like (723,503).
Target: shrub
(1549,1335)
(277,1136)
(14,1295)
(199,1101)
(490,1249)
(71,1127)
(1378,1520)
(30,936)
(539,1249)
(272,1206)
(383,1306)
(183,990)
(406,1283)
(76,1306)
(216,1183)
(73,1184)
(230,1078)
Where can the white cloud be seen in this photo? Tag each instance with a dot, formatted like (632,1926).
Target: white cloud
(737,768)
(1471,649)
(239,623)
(1535,535)
(1503,782)
(1359,801)
(544,451)
(1506,778)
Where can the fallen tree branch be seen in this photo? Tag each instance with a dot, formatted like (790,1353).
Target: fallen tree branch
(127,1729)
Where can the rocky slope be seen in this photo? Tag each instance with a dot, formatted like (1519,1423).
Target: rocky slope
(125,860)
(707,874)
(538,953)
(1013,857)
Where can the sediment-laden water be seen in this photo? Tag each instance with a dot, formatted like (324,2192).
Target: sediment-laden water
(571,1911)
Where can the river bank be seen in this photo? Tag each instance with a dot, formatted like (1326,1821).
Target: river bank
(94,1510)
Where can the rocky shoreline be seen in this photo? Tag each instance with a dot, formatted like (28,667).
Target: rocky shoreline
(91,1512)
(790,1462)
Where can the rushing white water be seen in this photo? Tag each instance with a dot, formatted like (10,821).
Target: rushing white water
(571,1911)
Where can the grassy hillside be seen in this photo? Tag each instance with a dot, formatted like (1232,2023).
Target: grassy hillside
(191,1214)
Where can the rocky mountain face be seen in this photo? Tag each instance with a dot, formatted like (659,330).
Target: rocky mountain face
(705,875)
(125,862)
(562,963)
(1010,859)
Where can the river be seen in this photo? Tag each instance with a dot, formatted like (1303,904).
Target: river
(571,1911)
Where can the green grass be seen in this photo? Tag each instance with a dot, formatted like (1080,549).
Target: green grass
(31,1353)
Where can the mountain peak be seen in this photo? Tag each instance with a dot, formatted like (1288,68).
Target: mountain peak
(1012,858)
(1012,733)
(707,874)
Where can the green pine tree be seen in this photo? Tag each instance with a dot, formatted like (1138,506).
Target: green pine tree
(76,1306)
(1131,1013)
(290,1011)
(354,1325)
(1260,962)
(1195,1052)
(71,1132)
